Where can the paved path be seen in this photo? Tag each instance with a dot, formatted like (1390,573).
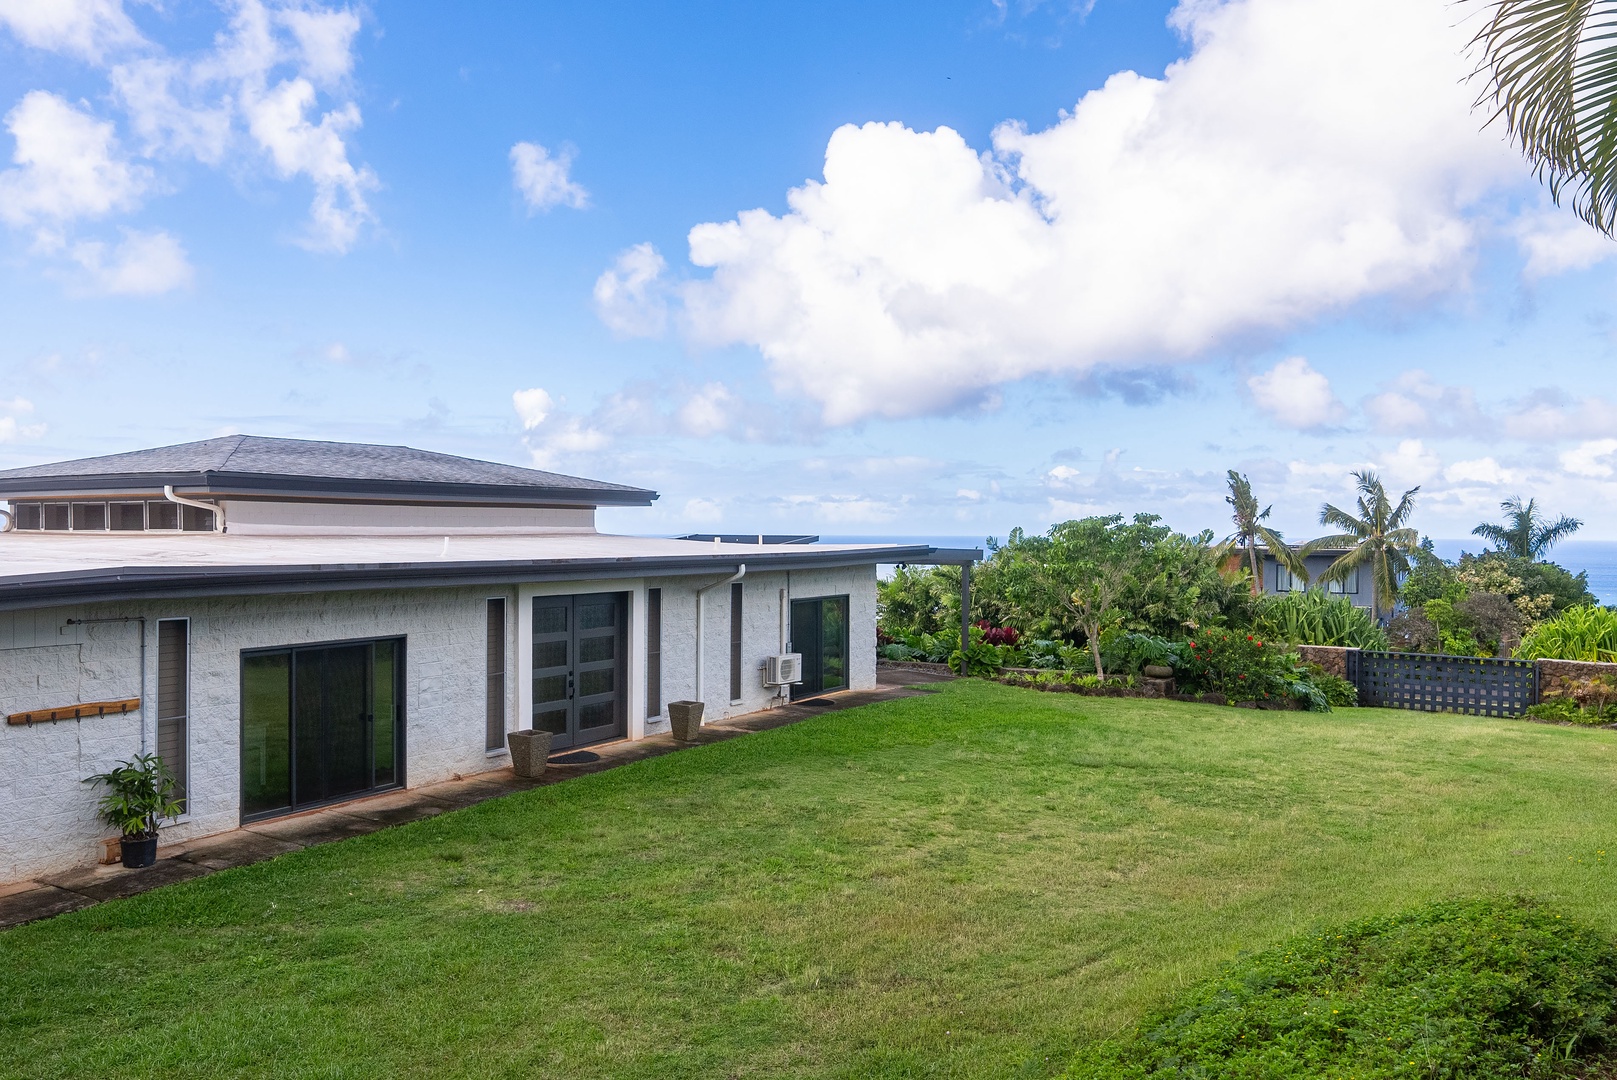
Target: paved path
(80,888)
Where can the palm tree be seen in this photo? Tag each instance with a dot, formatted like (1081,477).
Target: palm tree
(1525,534)
(1378,537)
(1551,72)
(1250,531)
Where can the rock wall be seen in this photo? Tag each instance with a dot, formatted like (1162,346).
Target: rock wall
(1555,675)
(1333,658)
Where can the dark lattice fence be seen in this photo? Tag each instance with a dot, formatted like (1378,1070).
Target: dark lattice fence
(1430,683)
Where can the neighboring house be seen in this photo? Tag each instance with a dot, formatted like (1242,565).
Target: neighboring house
(292,623)
(1277,579)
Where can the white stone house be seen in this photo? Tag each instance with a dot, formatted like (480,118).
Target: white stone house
(291,624)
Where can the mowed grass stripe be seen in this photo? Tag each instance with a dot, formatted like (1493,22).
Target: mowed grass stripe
(965,884)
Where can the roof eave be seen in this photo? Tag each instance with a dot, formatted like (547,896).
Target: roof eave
(109,584)
(223,485)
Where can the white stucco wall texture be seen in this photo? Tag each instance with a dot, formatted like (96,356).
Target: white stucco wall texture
(47,812)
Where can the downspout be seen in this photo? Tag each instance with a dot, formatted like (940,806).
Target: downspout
(741,572)
(216,509)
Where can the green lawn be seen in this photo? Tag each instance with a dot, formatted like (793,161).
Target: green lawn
(964,884)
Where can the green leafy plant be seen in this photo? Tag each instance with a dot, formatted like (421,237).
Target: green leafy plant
(982,658)
(1239,666)
(1131,652)
(1579,633)
(1484,989)
(1337,691)
(139,796)
(1313,618)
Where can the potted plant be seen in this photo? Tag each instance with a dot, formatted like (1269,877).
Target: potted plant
(139,797)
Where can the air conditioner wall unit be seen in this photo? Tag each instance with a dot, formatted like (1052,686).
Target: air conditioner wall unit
(783,670)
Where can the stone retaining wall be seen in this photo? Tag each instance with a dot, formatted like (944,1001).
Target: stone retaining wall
(1333,658)
(1555,675)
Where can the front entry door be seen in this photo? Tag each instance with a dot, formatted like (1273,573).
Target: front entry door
(579,643)
(820,634)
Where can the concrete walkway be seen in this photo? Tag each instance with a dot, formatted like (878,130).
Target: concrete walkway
(80,888)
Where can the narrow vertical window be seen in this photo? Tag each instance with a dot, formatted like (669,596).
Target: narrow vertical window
(495,701)
(735,642)
(654,652)
(174,698)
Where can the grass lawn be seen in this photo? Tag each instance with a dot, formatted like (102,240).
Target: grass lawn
(966,884)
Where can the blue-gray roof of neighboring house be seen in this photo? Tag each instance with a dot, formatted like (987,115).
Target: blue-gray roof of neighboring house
(269,467)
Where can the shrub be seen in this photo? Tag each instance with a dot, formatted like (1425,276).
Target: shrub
(1412,631)
(1129,653)
(1237,665)
(1584,701)
(1338,692)
(1585,632)
(1313,618)
(999,635)
(1482,989)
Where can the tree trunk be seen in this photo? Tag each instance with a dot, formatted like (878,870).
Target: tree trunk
(1092,631)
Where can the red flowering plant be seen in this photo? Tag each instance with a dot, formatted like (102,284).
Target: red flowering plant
(999,635)
(1241,666)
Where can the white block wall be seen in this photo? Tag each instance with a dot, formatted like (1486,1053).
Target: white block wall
(47,817)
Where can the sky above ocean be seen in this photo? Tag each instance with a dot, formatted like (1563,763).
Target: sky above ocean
(915,268)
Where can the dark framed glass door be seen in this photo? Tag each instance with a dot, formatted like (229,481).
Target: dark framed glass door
(320,724)
(820,634)
(579,643)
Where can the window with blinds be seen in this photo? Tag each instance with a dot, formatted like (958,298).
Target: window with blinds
(735,642)
(495,687)
(174,699)
(654,652)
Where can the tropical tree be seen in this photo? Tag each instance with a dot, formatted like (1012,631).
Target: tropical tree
(1550,69)
(1526,534)
(1250,531)
(1081,569)
(1378,536)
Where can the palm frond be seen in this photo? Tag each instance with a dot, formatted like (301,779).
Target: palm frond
(1497,535)
(1333,515)
(1547,536)
(1550,72)
(1284,553)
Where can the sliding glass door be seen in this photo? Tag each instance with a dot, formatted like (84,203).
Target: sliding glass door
(319,724)
(820,633)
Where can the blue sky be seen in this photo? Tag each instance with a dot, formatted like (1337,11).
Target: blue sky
(1015,283)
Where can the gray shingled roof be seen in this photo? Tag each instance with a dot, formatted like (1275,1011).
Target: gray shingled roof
(266,465)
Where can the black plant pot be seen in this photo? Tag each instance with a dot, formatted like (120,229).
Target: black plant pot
(139,853)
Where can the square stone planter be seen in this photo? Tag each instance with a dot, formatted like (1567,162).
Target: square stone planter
(529,751)
(686,719)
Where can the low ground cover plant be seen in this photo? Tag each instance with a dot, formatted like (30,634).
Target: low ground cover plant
(1591,700)
(1482,989)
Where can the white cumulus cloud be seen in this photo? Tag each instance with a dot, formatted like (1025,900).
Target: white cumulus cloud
(141,264)
(543,180)
(271,86)
(1306,155)
(629,297)
(1478,471)
(1592,458)
(532,406)
(88,29)
(1296,395)
(68,165)
(709,411)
